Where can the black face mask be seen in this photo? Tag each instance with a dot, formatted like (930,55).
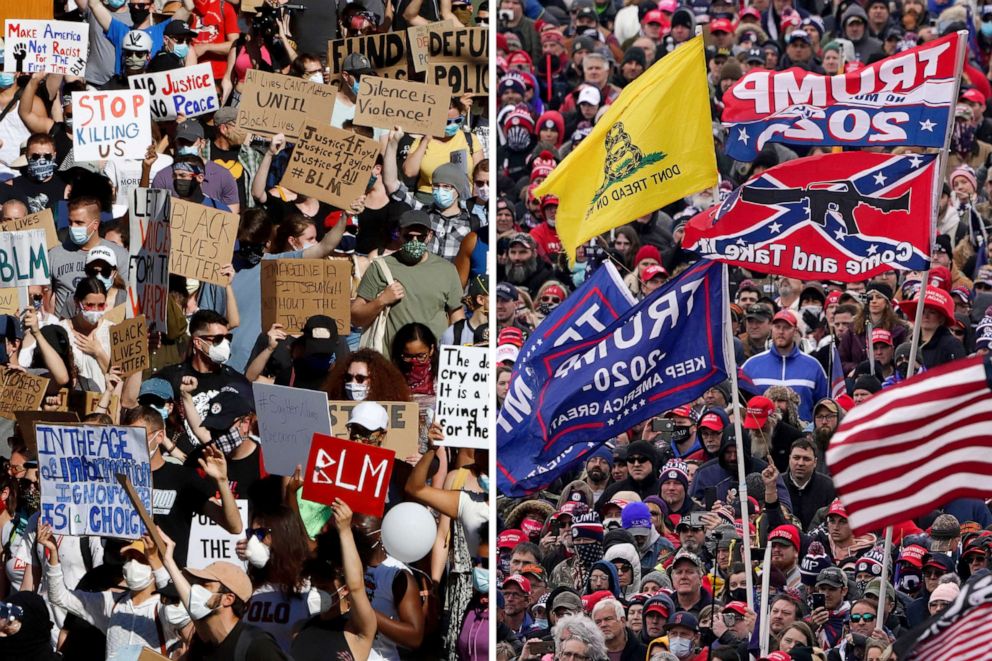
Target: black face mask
(680,434)
(138,16)
(186,187)
(251,253)
(738,594)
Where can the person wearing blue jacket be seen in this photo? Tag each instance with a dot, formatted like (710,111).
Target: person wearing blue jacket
(785,365)
(721,473)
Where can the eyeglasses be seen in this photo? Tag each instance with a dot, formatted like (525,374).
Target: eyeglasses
(34,158)
(258,533)
(357,378)
(217,339)
(418,357)
(638,460)
(825,416)
(932,573)
(863,617)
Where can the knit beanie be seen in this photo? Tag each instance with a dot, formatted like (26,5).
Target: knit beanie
(815,561)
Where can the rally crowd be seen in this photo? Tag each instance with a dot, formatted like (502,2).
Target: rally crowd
(311,580)
(636,553)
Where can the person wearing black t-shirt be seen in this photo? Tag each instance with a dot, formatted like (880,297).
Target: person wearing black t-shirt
(39,188)
(180,493)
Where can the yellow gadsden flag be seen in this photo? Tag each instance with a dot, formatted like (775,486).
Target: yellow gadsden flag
(653,146)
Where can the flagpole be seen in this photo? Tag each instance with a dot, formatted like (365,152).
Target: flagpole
(886,559)
(731,360)
(766,576)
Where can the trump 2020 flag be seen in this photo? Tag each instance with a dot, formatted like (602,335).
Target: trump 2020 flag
(653,146)
(905,99)
(665,351)
(844,216)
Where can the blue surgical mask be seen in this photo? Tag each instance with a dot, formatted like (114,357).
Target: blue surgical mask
(6,80)
(451,129)
(986,29)
(354,87)
(116,4)
(480,579)
(162,411)
(190,150)
(484,482)
(79,235)
(541,624)
(444,197)
(180,51)
(106,281)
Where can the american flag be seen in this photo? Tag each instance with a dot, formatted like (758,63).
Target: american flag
(843,216)
(960,632)
(916,446)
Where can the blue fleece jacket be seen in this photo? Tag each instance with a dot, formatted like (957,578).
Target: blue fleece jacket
(802,373)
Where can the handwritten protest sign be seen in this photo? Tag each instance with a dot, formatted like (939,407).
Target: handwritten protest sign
(293,290)
(403,434)
(386,52)
(209,542)
(287,420)
(43,220)
(51,46)
(148,286)
(419,40)
(331,165)
(272,103)
(356,473)
(459,60)
(189,91)
(202,241)
(110,125)
(24,259)
(79,492)
(27,420)
(463,396)
(414,107)
(148,654)
(129,346)
(9,301)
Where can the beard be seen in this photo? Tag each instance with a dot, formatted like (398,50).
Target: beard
(597,475)
(821,436)
(518,273)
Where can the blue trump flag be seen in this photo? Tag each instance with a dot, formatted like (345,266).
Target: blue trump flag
(663,352)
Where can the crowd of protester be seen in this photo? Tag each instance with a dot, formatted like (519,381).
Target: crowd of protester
(636,553)
(314,580)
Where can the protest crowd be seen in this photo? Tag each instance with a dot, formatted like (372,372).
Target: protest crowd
(245,293)
(633,547)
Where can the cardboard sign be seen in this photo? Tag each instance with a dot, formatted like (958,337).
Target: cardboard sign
(21,392)
(463,396)
(272,103)
(202,241)
(148,654)
(287,420)
(92,399)
(419,39)
(403,435)
(331,165)
(414,107)
(9,301)
(51,46)
(148,284)
(293,290)
(189,91)
(356,473)
(386,51)
(80,494)
(110,125)
(27,420)
(43,220)
(24,259)
(209,542)
(459,59)
(129,346)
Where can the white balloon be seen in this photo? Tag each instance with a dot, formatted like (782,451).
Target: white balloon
(408,532)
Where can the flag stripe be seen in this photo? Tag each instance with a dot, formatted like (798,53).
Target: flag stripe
(969,634)
(916,446)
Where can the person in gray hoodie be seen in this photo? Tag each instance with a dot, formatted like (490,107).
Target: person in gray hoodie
(854,25)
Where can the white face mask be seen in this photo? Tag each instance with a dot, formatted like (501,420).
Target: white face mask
(483,193)
(680,647)
(316,77)
(220,353)
(257,553)
(92,316)
(176,615)
(138,576)
(198,598)
(356,392)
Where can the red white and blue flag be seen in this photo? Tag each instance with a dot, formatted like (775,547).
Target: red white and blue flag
(905,99)
(864,213)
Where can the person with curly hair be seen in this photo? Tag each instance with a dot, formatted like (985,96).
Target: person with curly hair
(366,375)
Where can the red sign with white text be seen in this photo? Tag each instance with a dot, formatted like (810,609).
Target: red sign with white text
(356,473)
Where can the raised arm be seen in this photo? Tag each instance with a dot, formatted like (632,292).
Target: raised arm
(31,110)
(390,178)
(226,514)
(258,190)
(51,357)
(444,501)
(363,618)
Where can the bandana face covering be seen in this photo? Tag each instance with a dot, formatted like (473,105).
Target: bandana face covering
(589,553)
(420,379)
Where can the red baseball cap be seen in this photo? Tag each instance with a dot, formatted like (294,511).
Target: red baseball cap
(786,316)
(657,607)
(530,525)
(712,421)
(913,554)
(837,508)
(510,538)
(654,16)
(721,25)
(554,290)
(522,582)
(777,655)
(786,533)
(589,601)
(759,408)
(684,411)
(833,298)
(738,607)
(974,96)
(881,335)
(653,271)
(750,11)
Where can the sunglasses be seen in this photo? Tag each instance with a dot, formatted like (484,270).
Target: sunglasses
(34,158)
(258,533)
(638,460)
(551,299)
(217,339)
(863,617)
(457,121)
(357,378)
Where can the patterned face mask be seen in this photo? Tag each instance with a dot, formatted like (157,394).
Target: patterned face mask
(589,553)
(411,252)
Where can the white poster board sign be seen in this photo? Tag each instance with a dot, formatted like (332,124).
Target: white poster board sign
(463,396)
(287,420)
(209,542)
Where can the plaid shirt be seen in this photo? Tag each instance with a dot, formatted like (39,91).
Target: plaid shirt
(448,230)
